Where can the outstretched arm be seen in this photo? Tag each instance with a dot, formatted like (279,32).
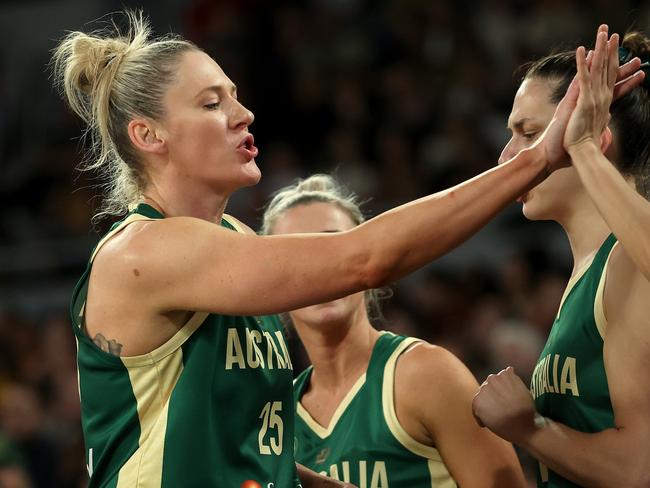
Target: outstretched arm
(230,273)
(626,212)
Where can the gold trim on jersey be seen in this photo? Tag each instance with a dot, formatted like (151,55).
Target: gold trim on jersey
(168,347)
(440,476)
(129,220)
(318,429)
(235,223)
(599,304)
(152,387)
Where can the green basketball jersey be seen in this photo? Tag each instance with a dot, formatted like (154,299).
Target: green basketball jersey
(365,444)
(569,383)
(211,407)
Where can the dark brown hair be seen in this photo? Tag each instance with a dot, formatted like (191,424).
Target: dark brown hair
(630,113)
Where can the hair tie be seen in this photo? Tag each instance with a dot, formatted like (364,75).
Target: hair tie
(624,55)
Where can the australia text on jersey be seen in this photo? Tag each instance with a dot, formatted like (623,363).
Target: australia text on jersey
(252,348)
(368,471)
(555,374)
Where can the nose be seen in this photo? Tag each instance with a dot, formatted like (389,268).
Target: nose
(240,116)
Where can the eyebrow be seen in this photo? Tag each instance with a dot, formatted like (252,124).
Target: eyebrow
(217,89)
(518,124)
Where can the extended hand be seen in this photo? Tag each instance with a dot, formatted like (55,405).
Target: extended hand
(591,114)
(504,405)
(613,82)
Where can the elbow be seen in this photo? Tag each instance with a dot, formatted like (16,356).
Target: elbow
(368,271)
(373,266)
(378,274)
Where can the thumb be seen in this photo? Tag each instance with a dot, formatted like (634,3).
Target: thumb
(570,99)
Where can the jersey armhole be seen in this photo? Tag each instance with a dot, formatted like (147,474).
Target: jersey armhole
(440,475)
(388,404)
(600,316)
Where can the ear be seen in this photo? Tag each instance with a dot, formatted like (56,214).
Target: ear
(146,137)
(606,139)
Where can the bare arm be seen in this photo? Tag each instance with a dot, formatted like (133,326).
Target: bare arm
(189,264)
(618,456)
(613,457)
(626,212)
(434,393)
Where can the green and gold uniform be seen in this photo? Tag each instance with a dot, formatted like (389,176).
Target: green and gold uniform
(569,383)
(365,444)
(211,407)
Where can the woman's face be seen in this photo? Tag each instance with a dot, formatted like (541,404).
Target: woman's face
(532,110)
(320,217)
(206,128)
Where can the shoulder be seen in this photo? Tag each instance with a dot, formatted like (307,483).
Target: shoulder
(149,250)
(625,285)
(429,368)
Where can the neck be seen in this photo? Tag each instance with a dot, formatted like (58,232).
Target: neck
(339,352)
(208,207)
(586,230)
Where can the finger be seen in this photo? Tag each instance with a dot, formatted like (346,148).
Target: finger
(600,56)
(474,410)
(628,69)
(569,101)
(612,61)
(625,86)
(590,58)
(583,72)
(603,31)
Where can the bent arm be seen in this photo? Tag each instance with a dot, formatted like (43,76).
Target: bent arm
(189,264)
(616,456)
(626,212)
(434,389)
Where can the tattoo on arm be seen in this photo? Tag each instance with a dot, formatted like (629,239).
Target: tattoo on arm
(109,346)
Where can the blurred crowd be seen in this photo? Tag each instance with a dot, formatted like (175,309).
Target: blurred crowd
(398,98)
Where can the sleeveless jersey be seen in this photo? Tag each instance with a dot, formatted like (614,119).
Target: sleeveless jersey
(365,444)
(569,383)
(211,407)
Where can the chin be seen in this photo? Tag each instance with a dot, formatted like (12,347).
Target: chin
(252,173)
(533,211)
(529,212)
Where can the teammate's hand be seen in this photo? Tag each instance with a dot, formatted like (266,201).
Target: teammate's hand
(612,82)
(596,90)
(504,405)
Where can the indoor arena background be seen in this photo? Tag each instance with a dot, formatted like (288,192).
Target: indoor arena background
(400,98)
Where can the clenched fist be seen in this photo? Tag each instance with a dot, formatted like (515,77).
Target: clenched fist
(504,405)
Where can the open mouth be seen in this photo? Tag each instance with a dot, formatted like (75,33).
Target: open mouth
(248,142)
(247,147)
